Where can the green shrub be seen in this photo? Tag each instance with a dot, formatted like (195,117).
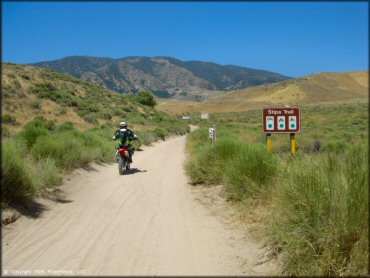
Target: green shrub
(159,133)
(16,182)
(36,104)
(250,172)
(65,148)
(146,138)
(5,131)
(39,126)
(30,133)
(73,102)
(145,98)
(40,121)
(8,119)
(321,220)
(106,115)
(44,90)
(48,172)
(90,119)
(65,126)
(92,107)
(210,161)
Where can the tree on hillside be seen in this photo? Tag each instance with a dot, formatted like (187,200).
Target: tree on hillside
(145,98)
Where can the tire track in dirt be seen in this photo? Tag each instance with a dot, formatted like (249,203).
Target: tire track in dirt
(144,223)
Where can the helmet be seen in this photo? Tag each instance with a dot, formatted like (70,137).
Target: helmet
(123,125)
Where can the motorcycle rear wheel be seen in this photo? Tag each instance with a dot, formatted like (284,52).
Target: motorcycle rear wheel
(121,166)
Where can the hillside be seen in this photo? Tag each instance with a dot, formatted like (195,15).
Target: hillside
(164,76)
(29,91)
(312,89)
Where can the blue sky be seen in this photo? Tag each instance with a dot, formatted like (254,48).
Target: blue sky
(291,38)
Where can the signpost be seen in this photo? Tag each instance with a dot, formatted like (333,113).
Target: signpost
(204,116)
(281,120)
(212,134)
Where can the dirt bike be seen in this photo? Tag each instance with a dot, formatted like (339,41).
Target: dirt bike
(123,159)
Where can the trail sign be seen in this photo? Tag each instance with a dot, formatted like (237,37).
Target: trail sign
(281,120)
(204,116)
(212,134)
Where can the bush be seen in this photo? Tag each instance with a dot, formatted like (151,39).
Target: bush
(40,121)
(5,131)
(159,133)
(65,148)
(210,161)
(90,119)
(145,98)
(8,119)
(36,104)
(65,126)
(48,172)
(16,181)
(106,115)
(250,172)
(146,138)
(30,133)
(321,220)
(44,90)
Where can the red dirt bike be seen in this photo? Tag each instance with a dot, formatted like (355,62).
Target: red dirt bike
(123,159)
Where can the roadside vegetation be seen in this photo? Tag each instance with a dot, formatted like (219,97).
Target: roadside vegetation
(316,202)
(53,123)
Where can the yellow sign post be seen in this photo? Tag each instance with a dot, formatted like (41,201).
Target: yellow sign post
(269,142)
(293,143)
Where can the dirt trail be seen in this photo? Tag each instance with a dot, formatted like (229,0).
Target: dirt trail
(144,223)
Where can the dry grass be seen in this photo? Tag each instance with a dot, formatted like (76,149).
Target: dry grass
(323,88)
(19,103)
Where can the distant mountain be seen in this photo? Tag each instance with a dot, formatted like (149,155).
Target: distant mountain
(164,76)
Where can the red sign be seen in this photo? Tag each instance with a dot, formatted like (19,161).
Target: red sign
(281,120)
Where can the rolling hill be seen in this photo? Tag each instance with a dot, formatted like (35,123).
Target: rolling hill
(164,76)
(28,92)
(326,87)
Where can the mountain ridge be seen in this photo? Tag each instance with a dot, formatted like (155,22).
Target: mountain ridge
(162,75)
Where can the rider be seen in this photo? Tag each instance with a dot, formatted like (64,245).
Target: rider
(125,137)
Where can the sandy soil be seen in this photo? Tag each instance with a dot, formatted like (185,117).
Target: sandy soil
(148,222)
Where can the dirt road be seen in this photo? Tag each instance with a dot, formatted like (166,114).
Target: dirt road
(144,223)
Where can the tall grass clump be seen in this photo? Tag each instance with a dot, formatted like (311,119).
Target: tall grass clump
(17,182)
(99,144)
(48,172)
(66,148)
(208,165)
(146,138)
(320,223)
(39,126)
(197,140)
(30,134)
(250,172)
